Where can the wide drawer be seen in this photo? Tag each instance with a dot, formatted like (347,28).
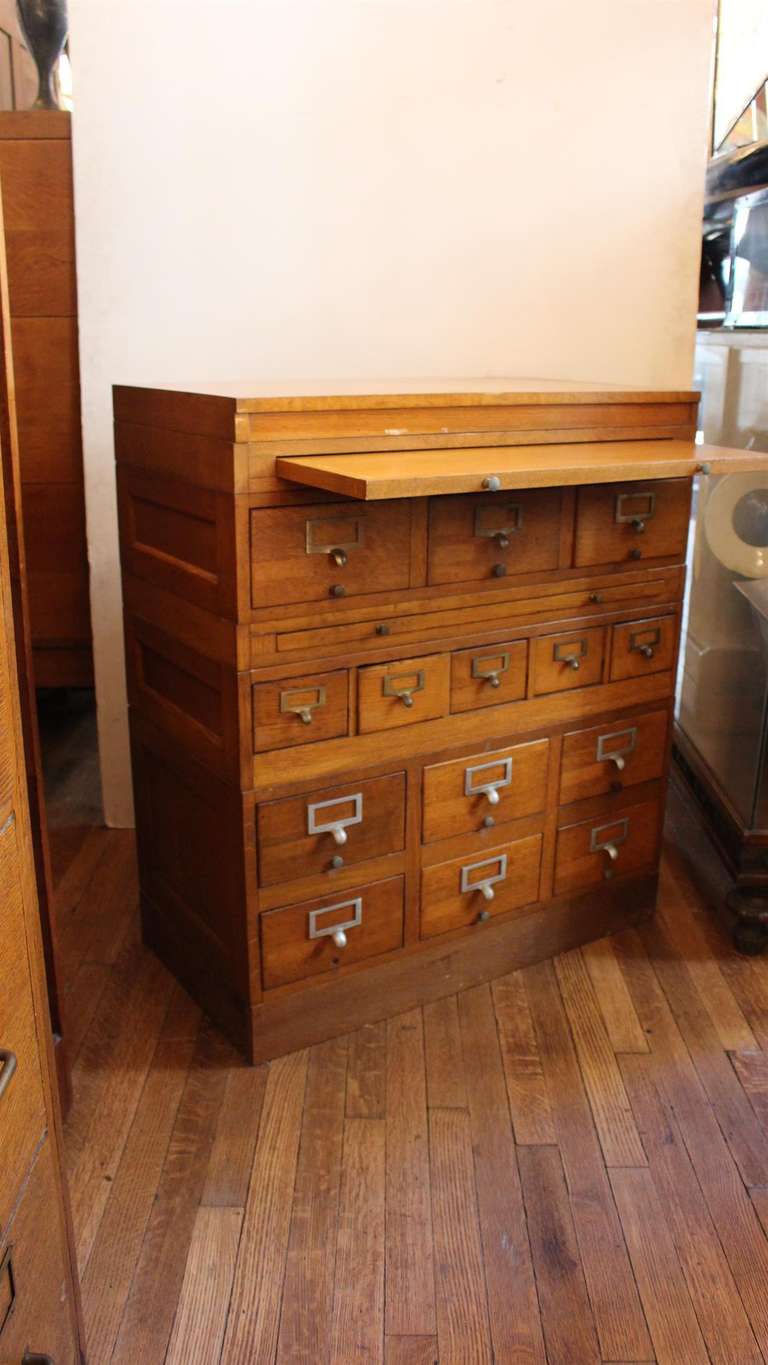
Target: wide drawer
(332,828)
(632,521)
(567,660)
(640,647)
(34,1314)
(593,851)
(607,758)
(484,790)
(300,710)
(333,931)
(489,675)
(403,692)
(471,890)
(329,550)
(474,537)
(22,1107)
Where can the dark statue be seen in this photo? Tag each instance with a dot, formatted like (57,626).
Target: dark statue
(44,24)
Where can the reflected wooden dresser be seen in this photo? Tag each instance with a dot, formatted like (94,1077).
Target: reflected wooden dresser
(401,668)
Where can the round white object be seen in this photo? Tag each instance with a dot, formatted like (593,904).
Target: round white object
(736,524)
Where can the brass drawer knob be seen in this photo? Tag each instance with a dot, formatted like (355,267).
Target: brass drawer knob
(397,685)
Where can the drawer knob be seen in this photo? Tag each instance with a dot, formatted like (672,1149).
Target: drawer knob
(571,652)
(320,816)
(383,629)
(615,834)
(596,597)
(618,759)
(635,553)
(647,651)
(337,590)
(499,571)
(392,686)
(340,938)
(623,743)
(319,929)
(638,524)
(302,709)
(492,674)
(337,860)
(572,660)
(339,557)
(502,540)
(491,483)
(483,916)
(9,1063)
(704,468)
(478,780)
(495,870)
(488,822)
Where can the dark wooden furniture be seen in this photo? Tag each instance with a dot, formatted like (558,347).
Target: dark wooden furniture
(400,673)
(38,1293)
(39,224)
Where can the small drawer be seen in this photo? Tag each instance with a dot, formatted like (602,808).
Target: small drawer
(616,522)
(403,692)
(484,790)
(609,757)
(300,710)
(594,851)
(332,550)
(34,1275)
(568,660)
(321,935)
(488,676)
(643,647)
(473,537)
(331,828)
(472,890)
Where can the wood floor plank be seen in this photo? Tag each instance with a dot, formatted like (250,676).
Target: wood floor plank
(689,943)
(512,1302)
(109,898)
(752,1071)
(463,1330)
(367,1072)
(621,1328)
(252,1327)
(621,1022)
(445,1063)
(229,1168)
(305,1324)
(735,1115)
(150,1310)
(358,1307)
(78,871)
(680,1088)
(91,1175)
(673,1324)
(566,1316)
(599,1068)
(183,1016)
(526,1088)
(117,1246)
(410,1307)
(411,1351)
(715,1297)
(198,1329)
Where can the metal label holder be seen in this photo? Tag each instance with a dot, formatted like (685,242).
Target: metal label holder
(484,885)
(338,828)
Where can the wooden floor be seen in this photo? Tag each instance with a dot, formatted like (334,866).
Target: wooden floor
(568,1166)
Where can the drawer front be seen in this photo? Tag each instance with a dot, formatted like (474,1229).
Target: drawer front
(300,710)
(594,851)
(609,757)
(22,1107)
(484,790)
(320,935)
(643,647)
(403,692)
(471,890)
(473,537)
(568,660)
(33,1275)
(331,828)
(488,676)
(616,522)
(329,550)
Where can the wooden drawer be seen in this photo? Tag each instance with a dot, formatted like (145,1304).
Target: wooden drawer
(304,834)
(640,647)
(34,1275)
(473,537)
(569,659)
(300,710)
(489,675)
(472,890)
(484,790)
(403,692)
(22,1107)
(299,941)
(609,757)
(328,550)
(593,851)
(630,521)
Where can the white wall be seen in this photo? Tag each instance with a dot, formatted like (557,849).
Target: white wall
(376,188)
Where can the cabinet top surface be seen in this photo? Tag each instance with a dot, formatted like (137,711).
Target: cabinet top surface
(315,395)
